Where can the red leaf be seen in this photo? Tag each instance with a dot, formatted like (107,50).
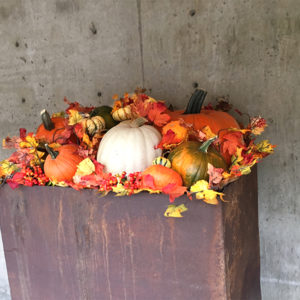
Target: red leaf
(77,106)
(230,142)
(140,107)
(169,138)
(148,182)
(78,129)
(156,114)
(99,168)
(16,180)
(174,191)
(22,133)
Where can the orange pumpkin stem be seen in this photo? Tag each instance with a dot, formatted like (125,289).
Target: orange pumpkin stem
(46,119)
(51,152)
(195,103)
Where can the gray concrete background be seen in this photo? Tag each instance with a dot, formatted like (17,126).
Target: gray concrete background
(88,50)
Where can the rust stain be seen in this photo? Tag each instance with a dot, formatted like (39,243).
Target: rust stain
(105,252)
(130,239)
(121,226)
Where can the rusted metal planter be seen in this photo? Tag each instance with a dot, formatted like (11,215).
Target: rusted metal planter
(64,244)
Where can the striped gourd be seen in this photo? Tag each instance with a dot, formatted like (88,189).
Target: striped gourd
(93,125)
(162,161)
(122,114)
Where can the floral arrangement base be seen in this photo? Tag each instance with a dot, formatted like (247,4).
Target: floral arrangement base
(63,244)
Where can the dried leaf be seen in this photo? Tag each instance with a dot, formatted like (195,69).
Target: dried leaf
(174,211)
(215,174)
(258,125)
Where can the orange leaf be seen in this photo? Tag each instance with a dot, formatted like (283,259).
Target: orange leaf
(156,114)
(230,142)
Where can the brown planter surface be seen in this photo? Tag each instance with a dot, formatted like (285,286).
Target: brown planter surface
(63,244)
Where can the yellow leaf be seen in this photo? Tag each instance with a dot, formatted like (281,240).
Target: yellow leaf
(54,145)
(200,185)
(243,131)
(265,147)
(58,183)
(75,117)
(60,114)
(120,190)
(30,142)
(201,188)
(87,140)
(235,159)
(85,167)
(7,168)
(207,131)
(175,211)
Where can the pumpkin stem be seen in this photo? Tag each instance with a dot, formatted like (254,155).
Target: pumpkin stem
(51,152)
(46,119)
(206,144)
(138,122)
(195,103)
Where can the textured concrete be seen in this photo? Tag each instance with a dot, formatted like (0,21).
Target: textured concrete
(247,49)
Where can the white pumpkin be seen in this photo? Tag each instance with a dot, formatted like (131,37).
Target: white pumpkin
(129,147)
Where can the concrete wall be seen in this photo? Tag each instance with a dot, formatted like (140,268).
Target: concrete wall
(88,50)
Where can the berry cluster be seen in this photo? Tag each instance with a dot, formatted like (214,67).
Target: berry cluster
(35,176)
(109,183)
(131,182)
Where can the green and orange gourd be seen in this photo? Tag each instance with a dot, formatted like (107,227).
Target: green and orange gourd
(190,159)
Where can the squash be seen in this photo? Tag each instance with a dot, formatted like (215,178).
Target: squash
(129,147)
(162,176)
(162,161)
(199,118)
(123,113)
(190,159)
(50,129)
(61,164)
(93,125)
(104,112)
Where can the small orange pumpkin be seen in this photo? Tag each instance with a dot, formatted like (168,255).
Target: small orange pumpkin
(180,131)
(61,163)
(49,130)
(163,176)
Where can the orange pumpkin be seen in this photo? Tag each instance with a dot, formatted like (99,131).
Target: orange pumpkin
(61,163)
(194,114)
(49,131)
(162,176)
(180,131)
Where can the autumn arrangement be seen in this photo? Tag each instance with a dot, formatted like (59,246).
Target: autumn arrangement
(138,145)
